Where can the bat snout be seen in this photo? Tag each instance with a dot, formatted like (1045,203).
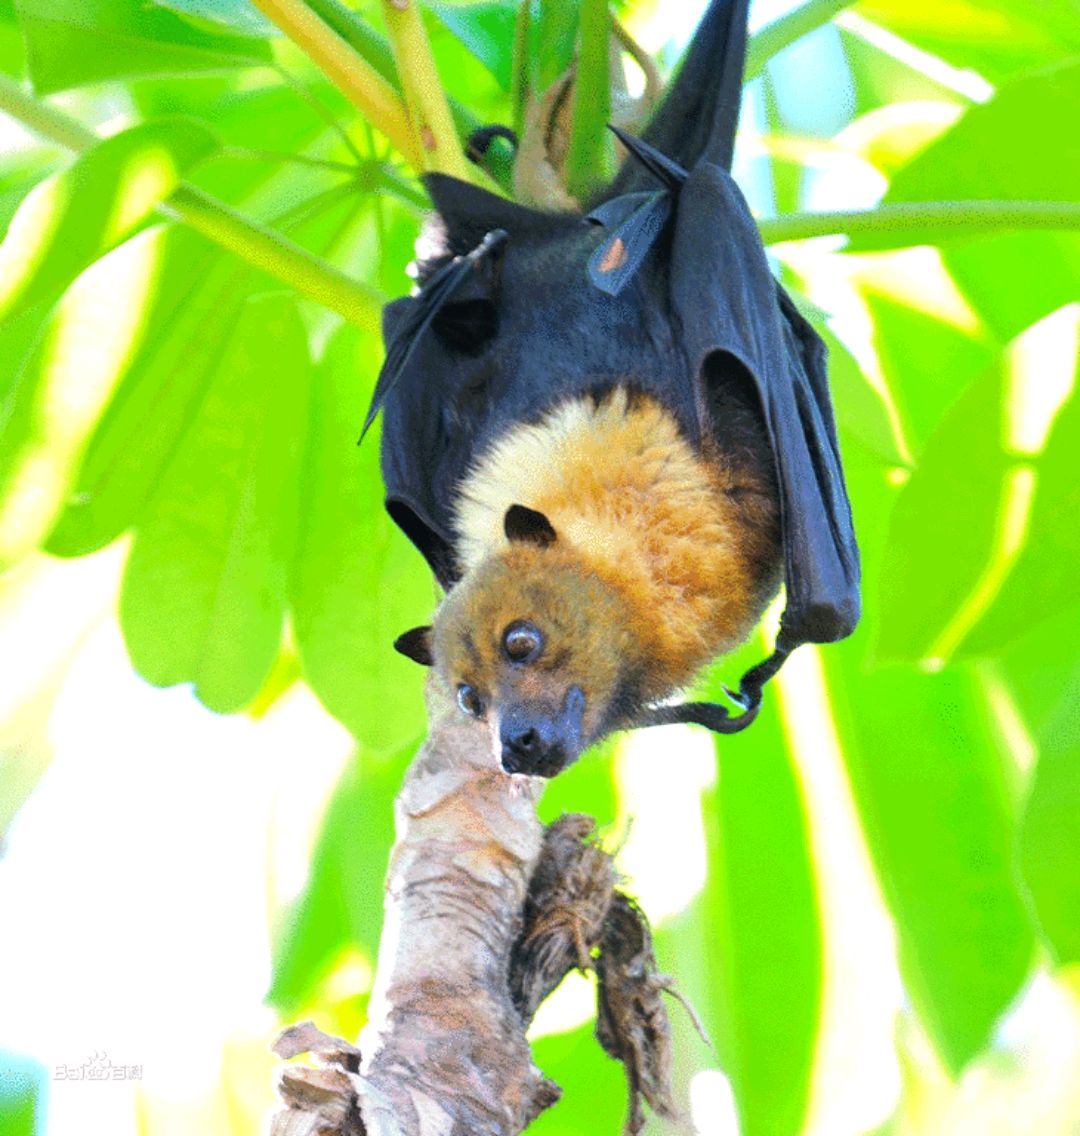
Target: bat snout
(538,742)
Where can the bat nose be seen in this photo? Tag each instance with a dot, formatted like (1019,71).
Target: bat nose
(538,741)
(522,742)
(529,745)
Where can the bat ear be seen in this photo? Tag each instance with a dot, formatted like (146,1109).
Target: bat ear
(416,645)
(528,525)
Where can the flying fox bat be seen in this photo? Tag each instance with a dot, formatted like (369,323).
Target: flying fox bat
(610,435)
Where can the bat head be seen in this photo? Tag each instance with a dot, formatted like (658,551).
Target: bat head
(532,642)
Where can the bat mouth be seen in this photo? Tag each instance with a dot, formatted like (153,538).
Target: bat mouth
(538,742)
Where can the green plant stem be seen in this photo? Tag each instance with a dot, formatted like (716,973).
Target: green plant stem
(374,48)
(360,36)
(902,225)
(243,153)
(44,120)
(277,255)
(781,33)
(260,247)
(588,156)
(361,84)
(519,74)
(429,112)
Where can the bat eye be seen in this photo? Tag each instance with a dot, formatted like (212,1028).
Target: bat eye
(522,641)
(470,701)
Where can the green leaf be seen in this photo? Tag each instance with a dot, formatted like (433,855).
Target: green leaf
(998,38)
(593,1085)
(72,218)
(204,592)
(21,171)
(1046,566)
(193,309)
(341,905)
(486,31)
(1049,849)
(357,582)
(861,410)
(951,501)
(910,346)
(73,42)
(64,385)
(929,775)
(998,151)
(12,53)
(1036,664)
(762,948)
(240,17)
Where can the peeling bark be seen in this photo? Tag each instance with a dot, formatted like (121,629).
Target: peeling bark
(486,912)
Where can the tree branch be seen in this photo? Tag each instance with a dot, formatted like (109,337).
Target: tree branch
(485,915)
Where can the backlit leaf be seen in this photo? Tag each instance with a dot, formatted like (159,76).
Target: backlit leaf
(72,42)
(1050,829)
(240,17)
(64,385)
(487,30)
(1041,584)
(72,218)
(942,529)
(998,38)
(357,582)
(762,945)
(997,151)
(929,775)
(195,305)
(204,592)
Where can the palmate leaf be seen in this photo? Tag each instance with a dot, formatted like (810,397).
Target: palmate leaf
(951,501)
(237,17)
(998,38)
(73,42)
(927,361)
(928,772)
(63,385)
(761,947)
(71,219)
(1043,577)
(192,313)
(1049,849)
(204,591)
(191,309)
(999,151)
(956,499)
